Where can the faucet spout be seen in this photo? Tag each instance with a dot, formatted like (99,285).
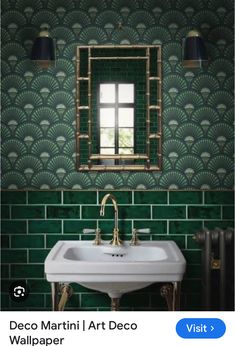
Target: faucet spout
(102,208)
(115,240)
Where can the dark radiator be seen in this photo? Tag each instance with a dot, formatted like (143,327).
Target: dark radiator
(217,268)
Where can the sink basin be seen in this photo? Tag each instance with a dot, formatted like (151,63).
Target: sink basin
(119,254)
(114,270)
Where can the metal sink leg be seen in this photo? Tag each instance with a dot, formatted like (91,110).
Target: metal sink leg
(54,295)
(171,292)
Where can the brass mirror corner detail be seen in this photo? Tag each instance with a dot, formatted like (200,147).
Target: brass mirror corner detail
(119,108)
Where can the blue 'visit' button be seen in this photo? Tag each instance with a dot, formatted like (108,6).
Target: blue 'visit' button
(200,328)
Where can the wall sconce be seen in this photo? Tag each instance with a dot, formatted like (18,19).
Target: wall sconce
(43,50)
(194,50)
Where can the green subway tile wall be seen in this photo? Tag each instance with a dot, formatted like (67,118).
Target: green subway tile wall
(38,105)
(27,241)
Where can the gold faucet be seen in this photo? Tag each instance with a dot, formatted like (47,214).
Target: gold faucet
(115,241)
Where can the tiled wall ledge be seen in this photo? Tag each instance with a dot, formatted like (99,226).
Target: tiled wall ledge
(33,221)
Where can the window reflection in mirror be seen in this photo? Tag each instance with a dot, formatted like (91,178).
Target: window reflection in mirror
(126,93)
(116,120)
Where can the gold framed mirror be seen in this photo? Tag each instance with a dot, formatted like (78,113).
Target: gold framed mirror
(119,108)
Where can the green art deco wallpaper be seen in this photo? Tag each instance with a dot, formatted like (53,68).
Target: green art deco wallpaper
(38,117)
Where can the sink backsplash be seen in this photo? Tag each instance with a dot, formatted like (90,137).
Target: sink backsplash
(33,221)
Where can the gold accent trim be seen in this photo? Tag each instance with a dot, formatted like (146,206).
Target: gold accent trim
(45,63)
(66,293)
(115,304)
(134,240)
(44,33)
(97,240)
(215,263)
(154,107)
(83,136)
(155,135)
(119,58)
(102,168)
(148,105)
(127,46)
(91,51)
(82,78)
(89,109)
(193,63)
(116,241)
(77,106)
(118,156)
(194,33)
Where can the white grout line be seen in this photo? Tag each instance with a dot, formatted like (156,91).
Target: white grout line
(27,226)
(168,197)
(203,197)
(9,270)
(186,242)
(62,197)
(44,300)
(27,197)
(132,197)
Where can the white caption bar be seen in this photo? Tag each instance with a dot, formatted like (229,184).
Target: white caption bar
(101,328)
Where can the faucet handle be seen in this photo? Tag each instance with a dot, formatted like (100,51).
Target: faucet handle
(89,230)
(97,232)
(134,239)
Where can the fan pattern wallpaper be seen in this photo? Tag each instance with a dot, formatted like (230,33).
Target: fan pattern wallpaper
(38,117)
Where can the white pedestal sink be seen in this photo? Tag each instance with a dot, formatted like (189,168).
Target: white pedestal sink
(115,270)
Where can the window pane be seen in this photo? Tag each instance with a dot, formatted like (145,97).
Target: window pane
(107,93)
(126,150)
(107,117)
(126,93)
(126,138)
(107,151)
(126,117)
(107,137)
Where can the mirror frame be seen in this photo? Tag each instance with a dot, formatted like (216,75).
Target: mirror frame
(150,137)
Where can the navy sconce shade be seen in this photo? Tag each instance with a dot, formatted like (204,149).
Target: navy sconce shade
(194,50)
(43,50)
